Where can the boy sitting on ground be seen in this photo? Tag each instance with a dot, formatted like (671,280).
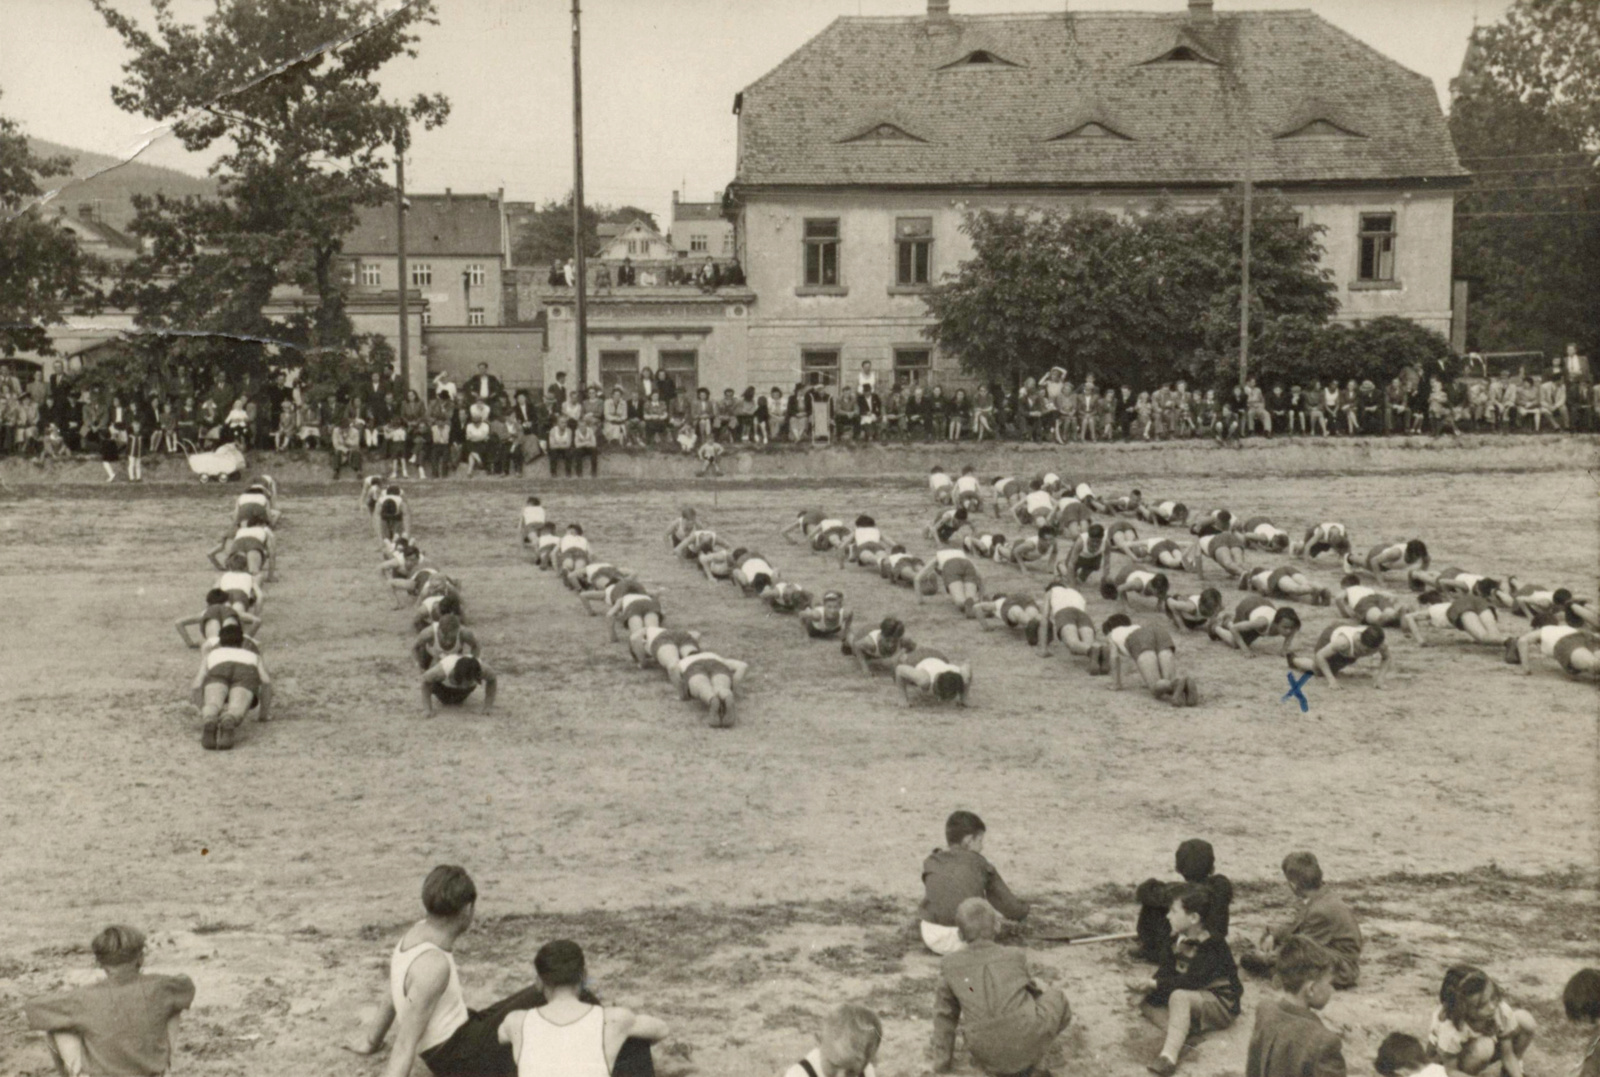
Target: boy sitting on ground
(1195,861)
(1323,917)
(955,873)
(121,1025)
(1011,1022)
(1289,1039)
(1196,989)
(1581,1000)
(846,1045)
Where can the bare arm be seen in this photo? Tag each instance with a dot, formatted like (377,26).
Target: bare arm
(182,624)
(428,976)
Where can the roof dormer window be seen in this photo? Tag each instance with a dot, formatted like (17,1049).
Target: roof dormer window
(1321,128)
(1183,54)
(981,58)
(1094,130)
(880,134)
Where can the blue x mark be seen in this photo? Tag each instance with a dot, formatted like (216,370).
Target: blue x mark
(1294,690)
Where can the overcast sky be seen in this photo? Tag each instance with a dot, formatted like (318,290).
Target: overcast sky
(659,80)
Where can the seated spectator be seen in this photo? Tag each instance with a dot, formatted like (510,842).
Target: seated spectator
(1581,1000)
(1195,861)
(1323,917)
(955,873)
(1402,1055)
(1010,1021)
(1289,1040)
(562,1033)
(847,1045)
(1475,1029)
(121,1026)
(1196,989)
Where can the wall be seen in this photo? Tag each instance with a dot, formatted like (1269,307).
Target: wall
(867,317)
(650,321)
(514,355)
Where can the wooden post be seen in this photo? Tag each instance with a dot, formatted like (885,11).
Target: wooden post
(400,246)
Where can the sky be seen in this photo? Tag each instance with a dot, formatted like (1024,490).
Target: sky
(659,78)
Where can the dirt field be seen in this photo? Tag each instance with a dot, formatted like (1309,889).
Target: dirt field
(739,882)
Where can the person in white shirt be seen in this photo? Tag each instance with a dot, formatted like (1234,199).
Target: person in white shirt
(847,1045)
(572,1035)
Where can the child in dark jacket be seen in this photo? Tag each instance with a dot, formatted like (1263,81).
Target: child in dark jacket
(955,873)
(1196,988)
(1195,861)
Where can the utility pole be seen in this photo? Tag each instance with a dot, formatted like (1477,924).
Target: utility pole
(1244,276)
(400,244)
(580,256)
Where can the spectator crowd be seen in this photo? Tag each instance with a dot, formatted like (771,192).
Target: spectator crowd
(480,426)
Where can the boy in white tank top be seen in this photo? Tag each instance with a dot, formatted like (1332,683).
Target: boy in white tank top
(570,1036)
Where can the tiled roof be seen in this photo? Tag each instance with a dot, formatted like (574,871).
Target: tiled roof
(999,123)
(435,224)
(696,211)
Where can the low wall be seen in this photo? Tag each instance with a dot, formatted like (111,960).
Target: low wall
(1094,462)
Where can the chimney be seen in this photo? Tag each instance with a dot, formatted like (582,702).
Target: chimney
(938,10)
(674,197)
(449,199)
(1201,10)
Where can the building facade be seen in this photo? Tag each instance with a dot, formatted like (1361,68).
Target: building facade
(862,153)
(456,252)
(700,230)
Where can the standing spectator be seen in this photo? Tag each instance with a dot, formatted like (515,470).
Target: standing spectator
(1579,385)
(1348,416)
(120,1025)
(558,389)
(667,387)
(586,445)
(28,426)
(647,383)
(459,419)
(375,410)
(867,379)
(765,407)
(703,414)
(10,418)
(1125,412)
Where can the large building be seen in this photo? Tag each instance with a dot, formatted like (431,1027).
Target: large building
(860,155)
(457,247)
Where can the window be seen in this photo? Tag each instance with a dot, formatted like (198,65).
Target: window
(427,316)
(683,366)
(697,242)
(619,368)
(475,275)
(347,272)
(475,316)
(371,274)
(912,366)
(727,242)
(913,238)
(421,274)
(822,253)
(635,246)
(1377,247)
(819,367)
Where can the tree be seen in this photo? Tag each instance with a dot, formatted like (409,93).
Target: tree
(1526,119)
(546,236)
(1127,298)
(289,86)
(42,271)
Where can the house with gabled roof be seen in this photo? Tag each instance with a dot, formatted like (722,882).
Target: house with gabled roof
(457,246)
(861,153)
(700,230)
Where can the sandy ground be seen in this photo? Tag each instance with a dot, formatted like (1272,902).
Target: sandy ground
(737,882)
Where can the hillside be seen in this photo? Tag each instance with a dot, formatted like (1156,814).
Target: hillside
(113,191)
